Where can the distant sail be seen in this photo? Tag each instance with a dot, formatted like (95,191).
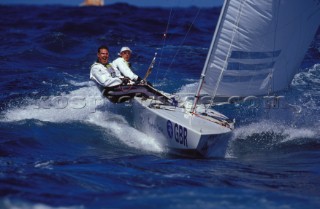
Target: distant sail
(259,45)
(93,3)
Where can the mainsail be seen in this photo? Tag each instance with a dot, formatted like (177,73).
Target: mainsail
(258,46)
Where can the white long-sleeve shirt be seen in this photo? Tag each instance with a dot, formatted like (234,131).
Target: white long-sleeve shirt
(123,66)
(105,76)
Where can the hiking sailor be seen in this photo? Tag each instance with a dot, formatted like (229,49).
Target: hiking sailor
(103,72)
(123,65)
(113,85)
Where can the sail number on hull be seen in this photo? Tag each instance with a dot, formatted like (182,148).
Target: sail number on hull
(178,132)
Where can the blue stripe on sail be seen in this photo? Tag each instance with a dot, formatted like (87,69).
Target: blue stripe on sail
(254,55)
(252,67)
(230,78)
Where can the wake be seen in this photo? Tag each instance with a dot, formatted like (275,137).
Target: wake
(85,105)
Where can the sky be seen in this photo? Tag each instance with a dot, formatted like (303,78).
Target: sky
(146,3)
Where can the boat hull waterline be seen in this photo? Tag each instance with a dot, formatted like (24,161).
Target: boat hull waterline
(181,132)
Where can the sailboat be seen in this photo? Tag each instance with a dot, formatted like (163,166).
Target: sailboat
(92,3)
(256,49)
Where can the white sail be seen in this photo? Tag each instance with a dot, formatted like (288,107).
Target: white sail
(259,45)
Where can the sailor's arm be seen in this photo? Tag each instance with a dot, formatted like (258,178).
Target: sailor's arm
(117,72)
(123,67)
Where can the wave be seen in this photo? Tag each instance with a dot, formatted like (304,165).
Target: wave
(85,105)
(268,137)
(308,80)
(59,42)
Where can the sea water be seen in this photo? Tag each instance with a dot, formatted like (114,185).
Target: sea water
(64,146)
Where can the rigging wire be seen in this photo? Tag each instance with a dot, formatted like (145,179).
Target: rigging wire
(164,37)
(185,37)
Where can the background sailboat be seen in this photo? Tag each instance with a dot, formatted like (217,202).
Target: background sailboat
(93,3)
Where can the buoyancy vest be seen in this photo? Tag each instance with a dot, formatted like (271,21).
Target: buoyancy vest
(110,70)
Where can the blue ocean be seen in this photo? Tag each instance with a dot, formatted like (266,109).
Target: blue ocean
(64,146)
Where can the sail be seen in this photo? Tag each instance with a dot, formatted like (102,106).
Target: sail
(258,46)
(92,3)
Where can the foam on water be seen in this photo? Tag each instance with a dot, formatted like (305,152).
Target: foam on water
(10,204)
(307,77)
(117,126)
(189,88)
(73,106)
(265,126)
(84,105)
(267,135)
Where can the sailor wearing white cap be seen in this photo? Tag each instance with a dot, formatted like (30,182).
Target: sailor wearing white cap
(123,65)
(123,49)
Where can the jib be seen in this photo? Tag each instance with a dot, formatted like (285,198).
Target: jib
(180,134)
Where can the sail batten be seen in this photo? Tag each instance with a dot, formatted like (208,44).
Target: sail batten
(259,46)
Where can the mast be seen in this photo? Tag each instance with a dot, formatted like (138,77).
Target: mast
(203,73)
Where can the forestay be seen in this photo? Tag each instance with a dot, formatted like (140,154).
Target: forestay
(258,46)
